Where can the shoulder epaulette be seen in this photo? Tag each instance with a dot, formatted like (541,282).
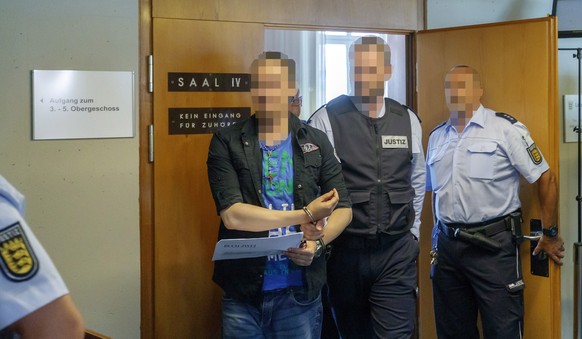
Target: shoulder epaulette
(437,127)
(506,117)
(413,111)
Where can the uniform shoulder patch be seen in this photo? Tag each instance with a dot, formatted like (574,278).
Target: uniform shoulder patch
(534,154)
(506,117)
(438,126)
(17,259)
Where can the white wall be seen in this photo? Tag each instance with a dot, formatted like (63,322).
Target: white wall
(568,84)
(449,13)
(82,195)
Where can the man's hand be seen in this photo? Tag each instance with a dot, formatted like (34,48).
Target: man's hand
(554,247)
(322,206)
(311,231)
(302,256)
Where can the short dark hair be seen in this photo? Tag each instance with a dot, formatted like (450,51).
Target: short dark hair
(362,44)
(285,61)
(469,69)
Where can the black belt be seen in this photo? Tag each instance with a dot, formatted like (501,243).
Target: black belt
(487,228)
(478,234)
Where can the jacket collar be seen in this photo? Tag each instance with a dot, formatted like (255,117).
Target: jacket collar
(250,129)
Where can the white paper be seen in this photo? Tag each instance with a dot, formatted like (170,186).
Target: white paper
(255,247)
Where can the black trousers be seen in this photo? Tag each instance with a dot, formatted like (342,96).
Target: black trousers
(468,279)
(372,289)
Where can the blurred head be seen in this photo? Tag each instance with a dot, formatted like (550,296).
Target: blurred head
(463,90)
(272,84)
(369,66)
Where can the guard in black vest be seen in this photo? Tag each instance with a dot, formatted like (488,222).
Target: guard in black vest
(372,268)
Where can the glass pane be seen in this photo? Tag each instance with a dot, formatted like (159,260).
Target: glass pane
(336,71)
(322,63)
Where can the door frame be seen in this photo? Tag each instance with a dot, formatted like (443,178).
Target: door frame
(146,169)
(146,174)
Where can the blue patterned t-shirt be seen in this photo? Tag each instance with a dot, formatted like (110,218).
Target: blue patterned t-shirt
(277,189)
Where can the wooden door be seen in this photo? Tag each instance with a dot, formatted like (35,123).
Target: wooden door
(186,303)
(517,63)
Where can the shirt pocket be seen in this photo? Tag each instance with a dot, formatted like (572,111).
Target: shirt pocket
(482,160)
(312,159)
(438,171)
(312,164)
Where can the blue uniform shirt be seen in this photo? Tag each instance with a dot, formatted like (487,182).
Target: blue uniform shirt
(475,175)
(28,278)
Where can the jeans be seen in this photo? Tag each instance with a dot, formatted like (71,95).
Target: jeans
(281,314)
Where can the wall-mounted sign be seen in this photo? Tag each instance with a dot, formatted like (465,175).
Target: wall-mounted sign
(570,117)
(209,82)
(204,120)
(82,104)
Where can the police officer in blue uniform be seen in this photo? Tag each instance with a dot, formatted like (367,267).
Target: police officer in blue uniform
(34,301)
(372,267)
(474,163)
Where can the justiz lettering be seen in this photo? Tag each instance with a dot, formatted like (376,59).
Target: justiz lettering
(395,142)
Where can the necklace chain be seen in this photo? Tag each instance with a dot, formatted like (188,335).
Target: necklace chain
(270,150)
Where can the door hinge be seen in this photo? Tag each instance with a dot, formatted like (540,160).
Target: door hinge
(150,73)
(151,143)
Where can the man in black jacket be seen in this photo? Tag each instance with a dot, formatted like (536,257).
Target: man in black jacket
(266,175)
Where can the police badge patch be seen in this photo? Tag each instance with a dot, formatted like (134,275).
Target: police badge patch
(534,154)
(17,260)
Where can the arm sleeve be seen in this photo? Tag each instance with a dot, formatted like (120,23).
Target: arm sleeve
(29,281)
(222,175)
(418,174)
(524,154)
(320,120)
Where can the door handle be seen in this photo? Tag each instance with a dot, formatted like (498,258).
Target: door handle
(539,263)
(532,237)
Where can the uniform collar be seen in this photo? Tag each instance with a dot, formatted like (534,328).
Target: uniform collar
(479,118)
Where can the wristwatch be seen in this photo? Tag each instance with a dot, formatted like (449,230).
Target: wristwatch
(550,232)
(319,246)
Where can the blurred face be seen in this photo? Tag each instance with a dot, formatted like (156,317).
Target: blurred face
(463,90)
(369,70)
(271,88)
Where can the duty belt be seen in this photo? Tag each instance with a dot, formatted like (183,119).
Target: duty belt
(478,234)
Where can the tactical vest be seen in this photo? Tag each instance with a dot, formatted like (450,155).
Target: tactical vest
(376,157)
